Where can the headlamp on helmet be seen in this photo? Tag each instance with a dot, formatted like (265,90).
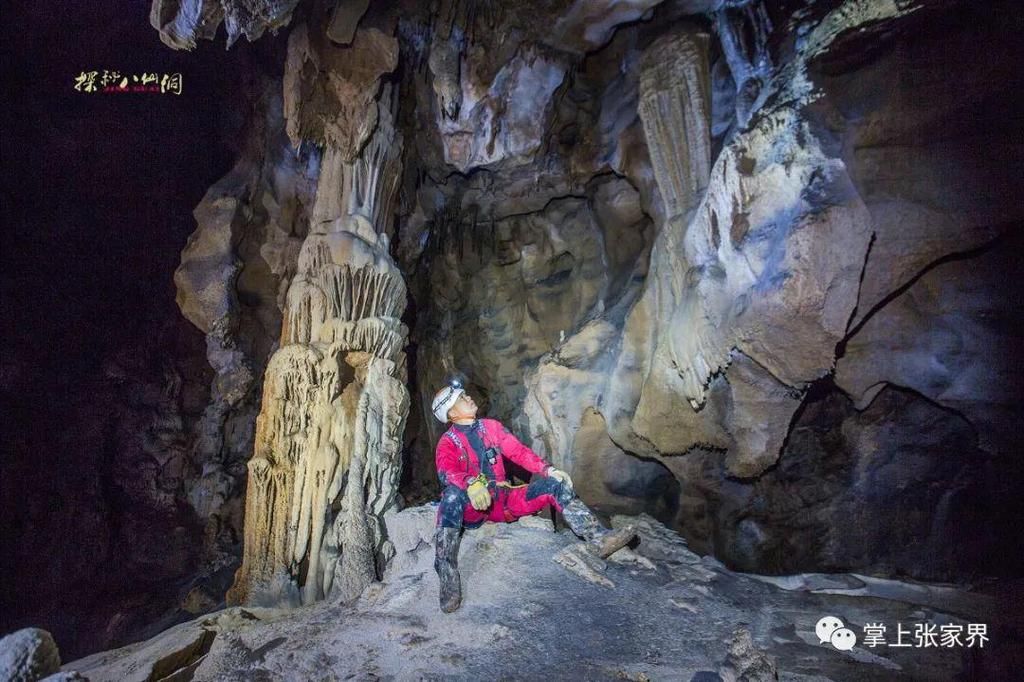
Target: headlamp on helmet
(445,399)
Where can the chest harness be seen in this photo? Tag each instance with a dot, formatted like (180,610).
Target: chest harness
(487,458)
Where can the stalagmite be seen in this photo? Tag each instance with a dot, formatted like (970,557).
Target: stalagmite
(328,442)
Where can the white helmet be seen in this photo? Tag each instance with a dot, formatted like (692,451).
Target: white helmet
(445,398)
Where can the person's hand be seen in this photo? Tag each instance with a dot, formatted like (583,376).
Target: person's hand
(479,496)
(559,476)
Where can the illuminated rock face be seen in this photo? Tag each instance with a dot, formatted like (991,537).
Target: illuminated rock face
(327,453)
(328,438)
(182,22)
(650,248)
(749,266)
(675,107)
(835,248)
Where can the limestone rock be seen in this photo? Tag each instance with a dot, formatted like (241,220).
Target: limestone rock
(178,651)
(675,107)
(744,31)
(345,19)
(841,495)
(659,542)
(712,287)
(516,599)
(909,353)
(746,663)
(536,521)
(182,22)
(328,438)
(501,121)
(446,71)
(330,91)
(946,337)
(549,272)
(580,560)
(779,209)
(586,26)
(244,249)
(929,197)
(28,655)
(664,256)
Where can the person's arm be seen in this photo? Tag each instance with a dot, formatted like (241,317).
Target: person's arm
(512,448)
(450,469)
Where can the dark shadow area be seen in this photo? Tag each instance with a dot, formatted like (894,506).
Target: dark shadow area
(96,198)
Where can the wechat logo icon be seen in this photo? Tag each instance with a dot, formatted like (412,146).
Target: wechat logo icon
(831,630)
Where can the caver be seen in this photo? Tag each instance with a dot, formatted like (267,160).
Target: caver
(470,461)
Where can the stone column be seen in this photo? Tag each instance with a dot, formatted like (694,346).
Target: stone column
(328,438)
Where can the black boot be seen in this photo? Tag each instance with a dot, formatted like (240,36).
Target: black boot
(446,563)
(602,542)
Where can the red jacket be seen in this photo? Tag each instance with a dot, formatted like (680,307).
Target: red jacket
(458,465)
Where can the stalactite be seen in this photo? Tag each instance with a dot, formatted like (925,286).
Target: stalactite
(674,105)
(744,30)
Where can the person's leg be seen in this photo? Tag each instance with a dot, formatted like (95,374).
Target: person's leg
(544,491)
(453,510)
(539,495)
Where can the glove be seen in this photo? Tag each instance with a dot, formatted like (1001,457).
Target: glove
(559,476)
(479,496)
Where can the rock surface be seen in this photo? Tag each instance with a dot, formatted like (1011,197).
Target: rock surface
(651,237)
(28,655)
(182,22)
(667,614)
(232,275)
(748,267)
(810,232)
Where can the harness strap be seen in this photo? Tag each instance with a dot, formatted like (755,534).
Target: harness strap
(455,439)
(465,455)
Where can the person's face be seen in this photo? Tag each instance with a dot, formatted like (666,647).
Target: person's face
(464,408)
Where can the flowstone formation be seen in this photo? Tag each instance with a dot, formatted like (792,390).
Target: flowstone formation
(327,455)
(230,284)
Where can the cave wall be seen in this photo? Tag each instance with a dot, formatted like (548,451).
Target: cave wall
(704,258)
(747,266)
(917,411)
(800,308)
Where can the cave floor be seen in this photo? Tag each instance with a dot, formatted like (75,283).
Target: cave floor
(658,612)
